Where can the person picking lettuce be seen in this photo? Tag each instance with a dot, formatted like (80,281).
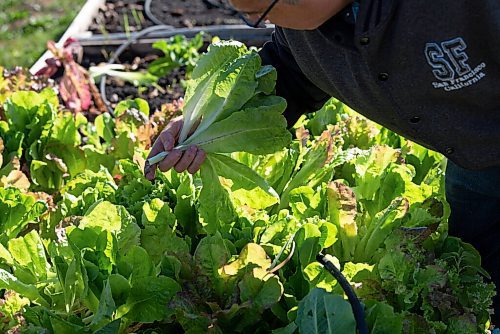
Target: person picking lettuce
(428,72)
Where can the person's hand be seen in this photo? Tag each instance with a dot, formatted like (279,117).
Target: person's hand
(190,159)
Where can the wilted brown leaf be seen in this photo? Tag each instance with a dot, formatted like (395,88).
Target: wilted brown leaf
(15,179)
(302,135)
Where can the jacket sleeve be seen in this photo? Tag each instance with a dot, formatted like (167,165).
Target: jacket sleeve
(301,94)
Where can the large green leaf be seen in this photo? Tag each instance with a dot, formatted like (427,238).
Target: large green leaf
(148,299)
(381,319)
(48,174)
(16,211)
(29,253)
(106,306)
(260,288)
(136,264)
(102,216)
(200,89)
(260,130)
(9,281)
(106,216)
(158,237)
(216,208)
(251,256)
(322,312)
(211,255)
(235,85)
(247,187)
(184,209)
(157,213)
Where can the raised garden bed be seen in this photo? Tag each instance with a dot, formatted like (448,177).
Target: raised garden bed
(137,55)
(130,15)
(103,26)
(116,22)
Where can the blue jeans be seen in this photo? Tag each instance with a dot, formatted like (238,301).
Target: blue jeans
(474,197)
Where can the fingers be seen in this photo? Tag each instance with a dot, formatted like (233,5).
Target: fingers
(186,159)
(170,161)
(165,142)
(149,171)
(167,138)
(190,160)
(175,126)
(197,161)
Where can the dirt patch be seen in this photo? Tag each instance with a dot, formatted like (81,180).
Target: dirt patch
(129,15)
(167,89)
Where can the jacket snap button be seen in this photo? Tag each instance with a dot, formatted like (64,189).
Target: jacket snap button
(415,119)
(383,76)
(449,150)
(364,40)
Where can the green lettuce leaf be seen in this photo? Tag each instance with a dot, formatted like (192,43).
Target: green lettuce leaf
(322,312)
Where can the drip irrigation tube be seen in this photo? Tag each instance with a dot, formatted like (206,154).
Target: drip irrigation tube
(357,309)
(149,14)
(238,32)
(119,51)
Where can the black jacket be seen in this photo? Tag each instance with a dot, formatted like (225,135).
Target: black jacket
(428,70)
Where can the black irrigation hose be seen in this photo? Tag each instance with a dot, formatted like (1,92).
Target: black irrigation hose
(357,309)
(119,51)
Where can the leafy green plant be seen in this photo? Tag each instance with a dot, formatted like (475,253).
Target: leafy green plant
(177,51)
(230,249)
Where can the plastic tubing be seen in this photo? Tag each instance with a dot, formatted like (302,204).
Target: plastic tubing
(119,51)
(149,14)
(357,309)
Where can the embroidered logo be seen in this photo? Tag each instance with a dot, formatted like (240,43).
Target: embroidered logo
(450,66)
